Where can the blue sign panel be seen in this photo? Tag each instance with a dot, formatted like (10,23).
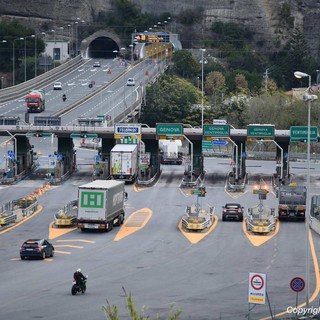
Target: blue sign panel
(219,143)
(131,130)
(11,154)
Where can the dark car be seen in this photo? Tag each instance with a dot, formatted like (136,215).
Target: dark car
(232,211)
(36,248)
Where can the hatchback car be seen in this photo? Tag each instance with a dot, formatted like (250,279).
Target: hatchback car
(232,211)
(131,82)
(36,248)
(57,85)
(97,64)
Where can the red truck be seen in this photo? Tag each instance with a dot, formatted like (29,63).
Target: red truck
(35,100)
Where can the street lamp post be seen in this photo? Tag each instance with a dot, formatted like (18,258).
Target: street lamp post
(76,23)
(25,56)
(13,57)
(202,51)
(300,75)
(35,56)
(54,48)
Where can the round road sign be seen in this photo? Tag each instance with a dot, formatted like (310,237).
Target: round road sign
(257,282)
(297,284)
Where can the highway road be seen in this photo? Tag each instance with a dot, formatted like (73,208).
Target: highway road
(74,84)
(157,263)
(111,101)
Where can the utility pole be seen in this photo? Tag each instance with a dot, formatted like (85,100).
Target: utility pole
(266,77)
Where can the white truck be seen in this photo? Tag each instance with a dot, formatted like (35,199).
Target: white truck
(124,162)
(101,205)
(170,151)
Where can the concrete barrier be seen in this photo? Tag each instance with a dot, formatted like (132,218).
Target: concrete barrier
(40,81)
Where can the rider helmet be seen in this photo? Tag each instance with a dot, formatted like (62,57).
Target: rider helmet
(78,270)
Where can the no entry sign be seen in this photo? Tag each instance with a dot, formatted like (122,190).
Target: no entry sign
(257,288)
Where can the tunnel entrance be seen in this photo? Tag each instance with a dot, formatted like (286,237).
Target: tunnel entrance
(103,48)
(103,44)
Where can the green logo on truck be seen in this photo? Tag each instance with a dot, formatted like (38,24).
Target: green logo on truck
(92,199)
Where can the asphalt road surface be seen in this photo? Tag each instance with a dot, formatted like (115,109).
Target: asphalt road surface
(157,264)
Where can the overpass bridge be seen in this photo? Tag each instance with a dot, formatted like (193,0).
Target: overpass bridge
(194,138)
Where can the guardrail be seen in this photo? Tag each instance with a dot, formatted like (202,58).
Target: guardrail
(196,225)
(260,229)
(67,215)
(15,210)
(40,81)
(190,221)
(7,218)
(30,210)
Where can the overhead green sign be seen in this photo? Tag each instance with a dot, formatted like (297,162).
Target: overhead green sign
(301,133)
(216,130)
(206,145)
(169,129)
(260,131)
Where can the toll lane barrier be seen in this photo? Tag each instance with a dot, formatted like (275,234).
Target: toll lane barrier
(67,216)
(7,218)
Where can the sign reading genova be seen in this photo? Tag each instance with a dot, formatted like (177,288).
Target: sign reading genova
(169,129)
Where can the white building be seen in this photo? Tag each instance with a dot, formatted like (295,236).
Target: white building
(58,50)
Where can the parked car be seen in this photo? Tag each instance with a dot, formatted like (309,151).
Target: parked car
(131,82)
(36,248)
(232,211)
(57,85)
(97,64)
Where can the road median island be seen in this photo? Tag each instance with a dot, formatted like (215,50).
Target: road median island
(14,212)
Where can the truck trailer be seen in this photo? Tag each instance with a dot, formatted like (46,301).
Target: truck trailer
(36,101)
(170,151)
(292,202)
(124,162)
(101,205)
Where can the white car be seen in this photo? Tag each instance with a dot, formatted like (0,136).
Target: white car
(131,82)
(97,64)
(57,85)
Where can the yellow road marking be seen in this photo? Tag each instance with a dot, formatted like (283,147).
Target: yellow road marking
(57,232)
(316,268)
(135,222)
(24,220)
(68,246)
(62,252)
(137,189)
(78,240)
(195,237)
(15,259)
(258,240)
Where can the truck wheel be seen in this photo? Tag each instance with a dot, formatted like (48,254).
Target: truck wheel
(120,220)
(110,226)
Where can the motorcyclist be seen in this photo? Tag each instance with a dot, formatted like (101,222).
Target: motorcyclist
(64,97)
(79,278)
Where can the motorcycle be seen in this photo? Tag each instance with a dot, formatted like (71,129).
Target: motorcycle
(64,98)
(77,289)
